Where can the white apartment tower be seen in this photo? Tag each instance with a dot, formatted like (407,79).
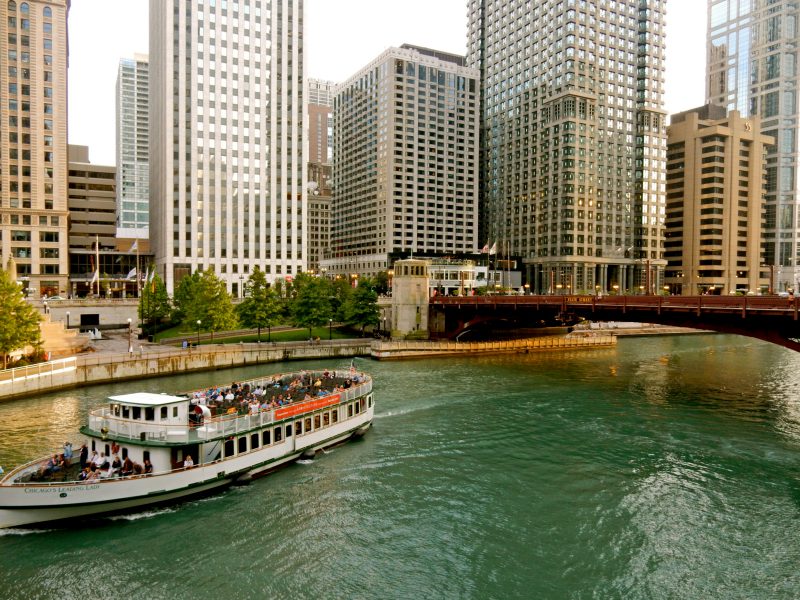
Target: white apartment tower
(573,139)
(753,68)
(33,143)
(228,154)
(405,163)
(133,148)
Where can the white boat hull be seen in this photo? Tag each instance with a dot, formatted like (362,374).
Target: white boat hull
(35,503)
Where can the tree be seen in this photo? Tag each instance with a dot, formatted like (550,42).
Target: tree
(19,321)
(262,306)
(362,306)
(340,291)
(154,303)
(203,297)
(311,306)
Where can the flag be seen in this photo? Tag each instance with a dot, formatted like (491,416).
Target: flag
(95,277)
(131,274)
(493,249)
(485,249)
(134,246)
(151,275)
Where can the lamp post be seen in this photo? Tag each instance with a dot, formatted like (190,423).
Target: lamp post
(330,329)
(130,342)
(67,319)
(198,331)
(390,273)
(45,307)
(241,286)
(384,326)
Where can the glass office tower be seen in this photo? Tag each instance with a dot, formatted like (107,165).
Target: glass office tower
(752,67)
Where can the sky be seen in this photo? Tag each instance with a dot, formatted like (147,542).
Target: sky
(341,36)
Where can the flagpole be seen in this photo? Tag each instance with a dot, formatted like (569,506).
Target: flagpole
(138,280)
(97,260)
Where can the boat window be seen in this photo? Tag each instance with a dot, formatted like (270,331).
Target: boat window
(288,431)
(254,439)
(137,412)
(316,422)
(149,413)
(265,441)
(243,444)
(350,410)
(229,448)
(307,425)
(175,411)
(298,428)
(369,398)
(164,413)
(124,453)
(335,415)
(126,412)
(326,419)
(115,409)
(277,434)
(358,409)
(108,451)
(94,445)
(146,455)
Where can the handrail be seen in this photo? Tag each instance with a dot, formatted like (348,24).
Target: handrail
(37,370)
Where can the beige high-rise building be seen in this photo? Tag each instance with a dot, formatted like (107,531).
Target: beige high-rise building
(715,202)
(33,142)
(405,163)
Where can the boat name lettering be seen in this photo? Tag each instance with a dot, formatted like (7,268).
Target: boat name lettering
(58,490)
(304,407)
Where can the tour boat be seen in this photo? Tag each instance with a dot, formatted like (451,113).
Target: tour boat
(190,444)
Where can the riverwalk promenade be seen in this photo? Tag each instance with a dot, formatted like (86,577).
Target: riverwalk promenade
(111,360)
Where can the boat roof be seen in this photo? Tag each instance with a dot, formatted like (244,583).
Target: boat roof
(147,399)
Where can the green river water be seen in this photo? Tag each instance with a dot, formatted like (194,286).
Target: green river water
(666,467)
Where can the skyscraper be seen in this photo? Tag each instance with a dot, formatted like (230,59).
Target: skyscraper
(33,142)
(573,138)
(133,148)
(405,163)
(752,67)
(320,155)
(227,160)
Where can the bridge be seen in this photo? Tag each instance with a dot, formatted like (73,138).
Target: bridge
(769,318)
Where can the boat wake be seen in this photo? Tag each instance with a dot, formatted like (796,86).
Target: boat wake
(305,461)
(147,514)
(5,532)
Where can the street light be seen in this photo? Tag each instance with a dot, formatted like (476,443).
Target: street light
(67,319)
(130,342)
(198,331)
(330,329)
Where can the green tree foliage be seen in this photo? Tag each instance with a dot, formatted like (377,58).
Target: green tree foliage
(262,306)
(381,282)
(311,306)
(203,297)
(19,321)
(154,303)
(361,308)
(340,292)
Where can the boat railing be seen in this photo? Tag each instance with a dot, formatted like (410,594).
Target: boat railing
(106,423)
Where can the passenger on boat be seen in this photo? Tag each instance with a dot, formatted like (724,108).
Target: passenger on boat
(148,467)
(67,453)
(93,459)
(84,456)
(127,467)
(51,466)
(188,463)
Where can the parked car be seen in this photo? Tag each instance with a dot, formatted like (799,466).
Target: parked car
(55,298)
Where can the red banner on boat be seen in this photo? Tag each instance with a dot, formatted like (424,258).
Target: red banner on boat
(303,407)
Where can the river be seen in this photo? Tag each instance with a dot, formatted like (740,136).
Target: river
(666,467)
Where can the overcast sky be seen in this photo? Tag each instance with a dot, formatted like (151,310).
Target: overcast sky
(341,37)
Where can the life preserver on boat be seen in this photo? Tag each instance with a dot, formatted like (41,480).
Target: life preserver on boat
(104,432)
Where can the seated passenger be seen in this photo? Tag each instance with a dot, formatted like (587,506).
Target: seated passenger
(127,467)
(188,463)
(148,467)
